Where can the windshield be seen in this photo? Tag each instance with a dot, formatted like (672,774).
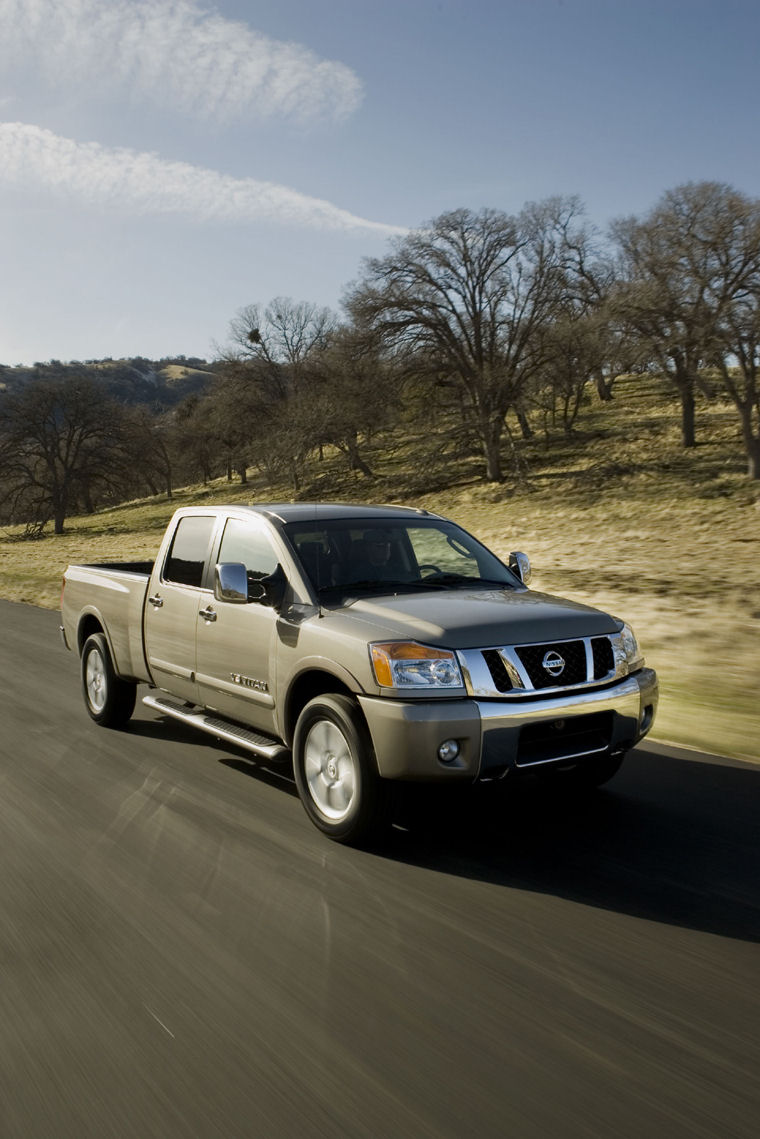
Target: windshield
(393,554)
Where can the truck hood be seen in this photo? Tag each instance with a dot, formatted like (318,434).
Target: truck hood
(477,618)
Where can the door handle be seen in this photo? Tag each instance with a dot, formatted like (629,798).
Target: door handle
(207,614)
(156,601)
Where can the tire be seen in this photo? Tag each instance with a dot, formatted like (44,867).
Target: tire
(335,771)
(109,700)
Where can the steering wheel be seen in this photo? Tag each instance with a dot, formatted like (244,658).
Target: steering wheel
(435,571)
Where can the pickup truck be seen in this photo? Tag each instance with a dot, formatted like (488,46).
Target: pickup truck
(364,644)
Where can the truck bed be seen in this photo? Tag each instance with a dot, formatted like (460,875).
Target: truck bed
(113,594)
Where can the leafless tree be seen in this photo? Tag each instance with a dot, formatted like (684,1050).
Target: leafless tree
(356,392)
(684,268)
(59,438)
(737,358)
(265,383)
(473,291)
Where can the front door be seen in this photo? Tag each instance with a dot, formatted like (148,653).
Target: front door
(235,647)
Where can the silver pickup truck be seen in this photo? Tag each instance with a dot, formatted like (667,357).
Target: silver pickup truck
(366,643)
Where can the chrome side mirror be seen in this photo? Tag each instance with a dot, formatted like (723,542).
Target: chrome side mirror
(520,566)
(231,582)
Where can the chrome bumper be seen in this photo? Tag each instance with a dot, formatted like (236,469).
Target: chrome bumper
(497,735)
(567,728)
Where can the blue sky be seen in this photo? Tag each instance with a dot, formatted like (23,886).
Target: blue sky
(164,163)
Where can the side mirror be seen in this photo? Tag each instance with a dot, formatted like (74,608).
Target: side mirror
(520,566)
(273,588)
(231,582)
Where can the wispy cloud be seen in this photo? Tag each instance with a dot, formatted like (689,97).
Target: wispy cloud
(175,53)
(142,183)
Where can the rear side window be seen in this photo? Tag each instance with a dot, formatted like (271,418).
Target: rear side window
(189,548)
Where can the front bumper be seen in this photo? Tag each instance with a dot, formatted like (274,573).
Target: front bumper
(495,736)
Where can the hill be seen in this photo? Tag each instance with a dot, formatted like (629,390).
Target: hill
(618,515)
(158,383)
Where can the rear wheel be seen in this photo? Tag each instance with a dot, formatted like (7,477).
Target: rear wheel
(109,700)
(334,767)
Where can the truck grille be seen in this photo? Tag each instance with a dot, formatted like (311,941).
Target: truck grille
(498,670)
(570,658)
(550,667)
(604,658)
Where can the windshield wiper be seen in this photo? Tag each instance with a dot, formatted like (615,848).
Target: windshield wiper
(372,585)
(445,580)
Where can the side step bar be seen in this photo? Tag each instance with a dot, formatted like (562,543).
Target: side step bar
(263,746)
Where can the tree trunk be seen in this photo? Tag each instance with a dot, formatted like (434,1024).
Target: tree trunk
(525,427)
(688,432)
(753,459)
(751,441)
(603,388)
(491,436)
(355,459)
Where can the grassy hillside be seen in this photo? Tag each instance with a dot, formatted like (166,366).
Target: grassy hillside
(619,516)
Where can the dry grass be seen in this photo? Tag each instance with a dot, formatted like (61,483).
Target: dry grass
(620,517)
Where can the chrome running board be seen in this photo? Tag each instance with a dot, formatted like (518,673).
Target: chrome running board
(262,746)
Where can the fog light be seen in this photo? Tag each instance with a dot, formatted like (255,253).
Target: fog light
(448,751)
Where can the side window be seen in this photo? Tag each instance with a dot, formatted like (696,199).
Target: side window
(189,548)
(244,542)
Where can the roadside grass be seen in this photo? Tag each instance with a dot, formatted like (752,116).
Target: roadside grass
(618,516)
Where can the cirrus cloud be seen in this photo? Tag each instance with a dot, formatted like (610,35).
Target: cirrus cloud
(176,54)
(142,183)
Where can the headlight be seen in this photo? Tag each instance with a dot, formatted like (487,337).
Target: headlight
(405,664)
(628,655)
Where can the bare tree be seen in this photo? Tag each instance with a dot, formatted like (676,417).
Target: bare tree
(473,291)
(737,358)
(684,267)
(59,437)
(267,377)
(283,336)
(356,392)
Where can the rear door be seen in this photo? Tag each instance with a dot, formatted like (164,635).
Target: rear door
(176,596)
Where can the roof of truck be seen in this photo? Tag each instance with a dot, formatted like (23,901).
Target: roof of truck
(306,511)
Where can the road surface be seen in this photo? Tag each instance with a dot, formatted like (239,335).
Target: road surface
(184,955)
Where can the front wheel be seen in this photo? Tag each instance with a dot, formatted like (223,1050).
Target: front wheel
(335,773)
(109,700)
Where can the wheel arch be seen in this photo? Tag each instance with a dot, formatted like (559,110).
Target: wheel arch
(308,684)
(91,622)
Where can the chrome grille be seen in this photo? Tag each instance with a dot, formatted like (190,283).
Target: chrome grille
(498,670)
(513,671)
(604,658)
(570,654)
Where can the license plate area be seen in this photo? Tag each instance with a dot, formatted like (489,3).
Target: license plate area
(565,739)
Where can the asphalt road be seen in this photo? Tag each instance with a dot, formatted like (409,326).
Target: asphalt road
(182,954)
